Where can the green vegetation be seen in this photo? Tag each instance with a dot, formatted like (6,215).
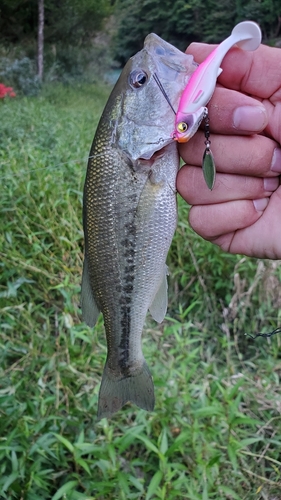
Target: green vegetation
(73,48)
(70,21)
(76,30)
(181,22)
(216,429)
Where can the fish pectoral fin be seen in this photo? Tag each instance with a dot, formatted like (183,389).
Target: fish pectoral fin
(114,393)
(90,310)
(158,308)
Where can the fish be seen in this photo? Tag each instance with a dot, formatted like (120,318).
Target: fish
(130,216)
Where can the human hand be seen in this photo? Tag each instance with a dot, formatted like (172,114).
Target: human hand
(242,214)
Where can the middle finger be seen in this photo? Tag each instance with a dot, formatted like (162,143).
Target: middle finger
(192,187)
(233,112)
(254,155)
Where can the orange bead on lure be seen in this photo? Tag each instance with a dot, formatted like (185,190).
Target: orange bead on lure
(199,90)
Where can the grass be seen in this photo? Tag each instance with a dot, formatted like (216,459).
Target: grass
(216,429)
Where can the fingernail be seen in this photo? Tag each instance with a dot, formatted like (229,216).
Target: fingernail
(276,160)
(261,204)
(270,183)
(250,118)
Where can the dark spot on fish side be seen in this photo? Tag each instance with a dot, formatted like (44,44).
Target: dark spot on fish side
(132,197)
(129,253)
(131,229)
(129,269)
(125,300)
(129,279)
(128,288)
(129,243)
(124,342)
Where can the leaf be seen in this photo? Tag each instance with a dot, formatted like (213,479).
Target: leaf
(138,483)
(81,438)
(246,442)
(183,437)
(43,443)
(123,482)
(83,464)
(232,456)
(10,479)
(65,442)
(209,168)
(86,448)
(153,485)
(163,439)
(208,411)
(150,446)
(14,461)
(214,460)
(229,492)
(234,390)
(64,489)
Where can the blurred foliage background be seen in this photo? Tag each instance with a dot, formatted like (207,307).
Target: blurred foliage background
(90,37)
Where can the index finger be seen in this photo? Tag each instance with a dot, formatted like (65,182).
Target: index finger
(253,72)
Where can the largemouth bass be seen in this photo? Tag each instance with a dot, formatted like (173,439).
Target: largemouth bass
(130,216)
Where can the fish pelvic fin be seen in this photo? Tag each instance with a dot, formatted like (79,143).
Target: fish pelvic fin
(158,308)
(90,310)
(114,393)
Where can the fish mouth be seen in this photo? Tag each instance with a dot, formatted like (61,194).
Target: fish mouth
(156,155)
(148,162)
(156,149)
(145,163)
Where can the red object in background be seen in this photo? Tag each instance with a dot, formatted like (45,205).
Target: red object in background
(6,91)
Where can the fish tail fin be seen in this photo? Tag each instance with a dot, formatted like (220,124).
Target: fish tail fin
(136,387)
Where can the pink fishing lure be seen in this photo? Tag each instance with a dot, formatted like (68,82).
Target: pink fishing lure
(199,90)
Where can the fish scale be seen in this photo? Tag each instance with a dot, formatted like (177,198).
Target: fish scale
(130,216)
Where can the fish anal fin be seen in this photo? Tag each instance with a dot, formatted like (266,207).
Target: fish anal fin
(158,308)
(116,392)
(90,310)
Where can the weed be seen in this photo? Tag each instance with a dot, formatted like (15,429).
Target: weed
(216,430)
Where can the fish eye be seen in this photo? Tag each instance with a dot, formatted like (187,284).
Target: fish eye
(137,78)
(182,127)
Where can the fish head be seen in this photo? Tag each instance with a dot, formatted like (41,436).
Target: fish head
(145,121)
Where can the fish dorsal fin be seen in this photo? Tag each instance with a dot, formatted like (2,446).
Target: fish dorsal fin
(90,310)
(159,304)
